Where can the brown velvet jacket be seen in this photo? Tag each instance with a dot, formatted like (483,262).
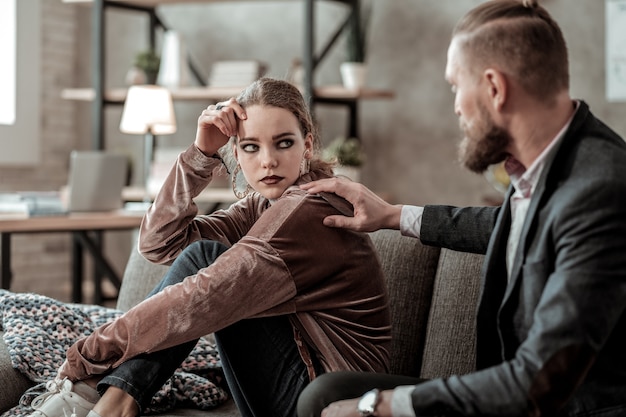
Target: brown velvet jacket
(281,261)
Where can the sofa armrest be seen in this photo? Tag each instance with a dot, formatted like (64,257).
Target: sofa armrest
(13,383)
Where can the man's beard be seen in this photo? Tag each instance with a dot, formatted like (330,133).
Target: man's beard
(483,144)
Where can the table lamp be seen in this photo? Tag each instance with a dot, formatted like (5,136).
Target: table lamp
(149,111)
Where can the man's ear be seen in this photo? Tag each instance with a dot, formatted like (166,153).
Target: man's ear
(497,87)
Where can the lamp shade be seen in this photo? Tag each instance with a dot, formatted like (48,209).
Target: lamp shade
(148,109)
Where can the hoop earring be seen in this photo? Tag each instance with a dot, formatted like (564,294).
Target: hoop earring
(233,180)
(305,164)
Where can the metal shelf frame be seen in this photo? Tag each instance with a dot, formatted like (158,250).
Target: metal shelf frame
(310,59)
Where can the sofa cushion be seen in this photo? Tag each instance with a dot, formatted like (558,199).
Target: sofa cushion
(140,277)
(410,269)
(450,342)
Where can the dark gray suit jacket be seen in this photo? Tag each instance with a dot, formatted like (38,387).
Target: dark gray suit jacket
(553,340)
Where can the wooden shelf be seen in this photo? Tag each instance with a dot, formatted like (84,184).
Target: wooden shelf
(155,3)
(149,3)
(337,92)
(118,95)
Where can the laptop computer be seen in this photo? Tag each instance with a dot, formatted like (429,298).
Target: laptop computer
(96,180)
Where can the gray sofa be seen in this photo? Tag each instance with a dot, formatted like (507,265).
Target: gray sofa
(433,295)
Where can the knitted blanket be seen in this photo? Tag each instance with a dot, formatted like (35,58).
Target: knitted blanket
(38,331)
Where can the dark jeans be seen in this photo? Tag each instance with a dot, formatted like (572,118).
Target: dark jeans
(335,386)
(259,357)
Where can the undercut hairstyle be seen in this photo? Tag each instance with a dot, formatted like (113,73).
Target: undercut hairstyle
(519,38)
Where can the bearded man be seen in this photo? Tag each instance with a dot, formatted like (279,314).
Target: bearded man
(551,316)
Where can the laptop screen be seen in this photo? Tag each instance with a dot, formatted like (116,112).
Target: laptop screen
(96,180)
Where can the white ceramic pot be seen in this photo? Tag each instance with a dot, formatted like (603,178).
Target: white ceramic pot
(135,76)
(353,173)
(353,74)
(173,71)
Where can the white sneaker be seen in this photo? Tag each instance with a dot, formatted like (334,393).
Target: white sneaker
(65,399)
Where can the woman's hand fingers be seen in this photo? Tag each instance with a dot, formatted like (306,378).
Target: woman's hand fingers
(217,123)
(227,116)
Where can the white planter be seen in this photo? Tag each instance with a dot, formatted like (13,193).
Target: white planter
(135,76)
(353,74)
(173,71)
(353,173)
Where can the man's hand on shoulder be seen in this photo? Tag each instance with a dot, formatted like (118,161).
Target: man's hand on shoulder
(370,211)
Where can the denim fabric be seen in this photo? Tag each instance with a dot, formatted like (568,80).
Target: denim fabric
(263,367)
(259,356)
(143,376)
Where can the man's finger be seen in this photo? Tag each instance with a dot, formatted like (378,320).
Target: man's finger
(329,185)
(340,222)
(317,186)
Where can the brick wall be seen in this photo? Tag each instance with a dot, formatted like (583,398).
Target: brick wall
(41,262)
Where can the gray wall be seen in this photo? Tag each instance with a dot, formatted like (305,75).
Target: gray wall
(411,140)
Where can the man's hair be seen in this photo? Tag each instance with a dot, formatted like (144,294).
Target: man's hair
(519,38)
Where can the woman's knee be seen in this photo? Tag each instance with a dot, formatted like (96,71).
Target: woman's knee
(198,255)
(193,258)
(203,252)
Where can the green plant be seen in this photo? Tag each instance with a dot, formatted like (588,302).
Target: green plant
(356,31)
(149,62)
(346,152)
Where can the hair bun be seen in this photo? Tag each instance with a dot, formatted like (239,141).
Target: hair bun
(531,4)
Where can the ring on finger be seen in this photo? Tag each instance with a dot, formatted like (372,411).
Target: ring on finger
(219,107)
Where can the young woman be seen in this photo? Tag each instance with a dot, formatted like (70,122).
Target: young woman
(287,298)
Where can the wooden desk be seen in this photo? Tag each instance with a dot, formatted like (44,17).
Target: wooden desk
(86,229)
(213,197)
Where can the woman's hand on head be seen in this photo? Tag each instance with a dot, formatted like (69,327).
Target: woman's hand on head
(370,211)
(217,124)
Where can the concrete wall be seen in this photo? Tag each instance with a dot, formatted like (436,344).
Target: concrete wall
(410,140)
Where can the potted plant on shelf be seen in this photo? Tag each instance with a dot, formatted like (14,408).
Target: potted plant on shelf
(354,70)
(348,154)
(145,68)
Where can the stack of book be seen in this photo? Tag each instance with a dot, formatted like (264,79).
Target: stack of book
(22,205)
(235,73)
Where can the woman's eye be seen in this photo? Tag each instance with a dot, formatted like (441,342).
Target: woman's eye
(249,147)
(286,143)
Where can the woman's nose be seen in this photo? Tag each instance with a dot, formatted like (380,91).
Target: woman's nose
(268,159)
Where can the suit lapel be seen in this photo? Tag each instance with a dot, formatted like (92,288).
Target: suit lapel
(545,187)
(492,290)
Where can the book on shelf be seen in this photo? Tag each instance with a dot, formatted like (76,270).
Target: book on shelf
(235,73)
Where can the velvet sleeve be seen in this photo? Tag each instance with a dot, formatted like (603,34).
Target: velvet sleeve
(172,223)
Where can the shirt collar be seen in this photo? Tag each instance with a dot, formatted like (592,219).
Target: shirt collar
(525,180)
